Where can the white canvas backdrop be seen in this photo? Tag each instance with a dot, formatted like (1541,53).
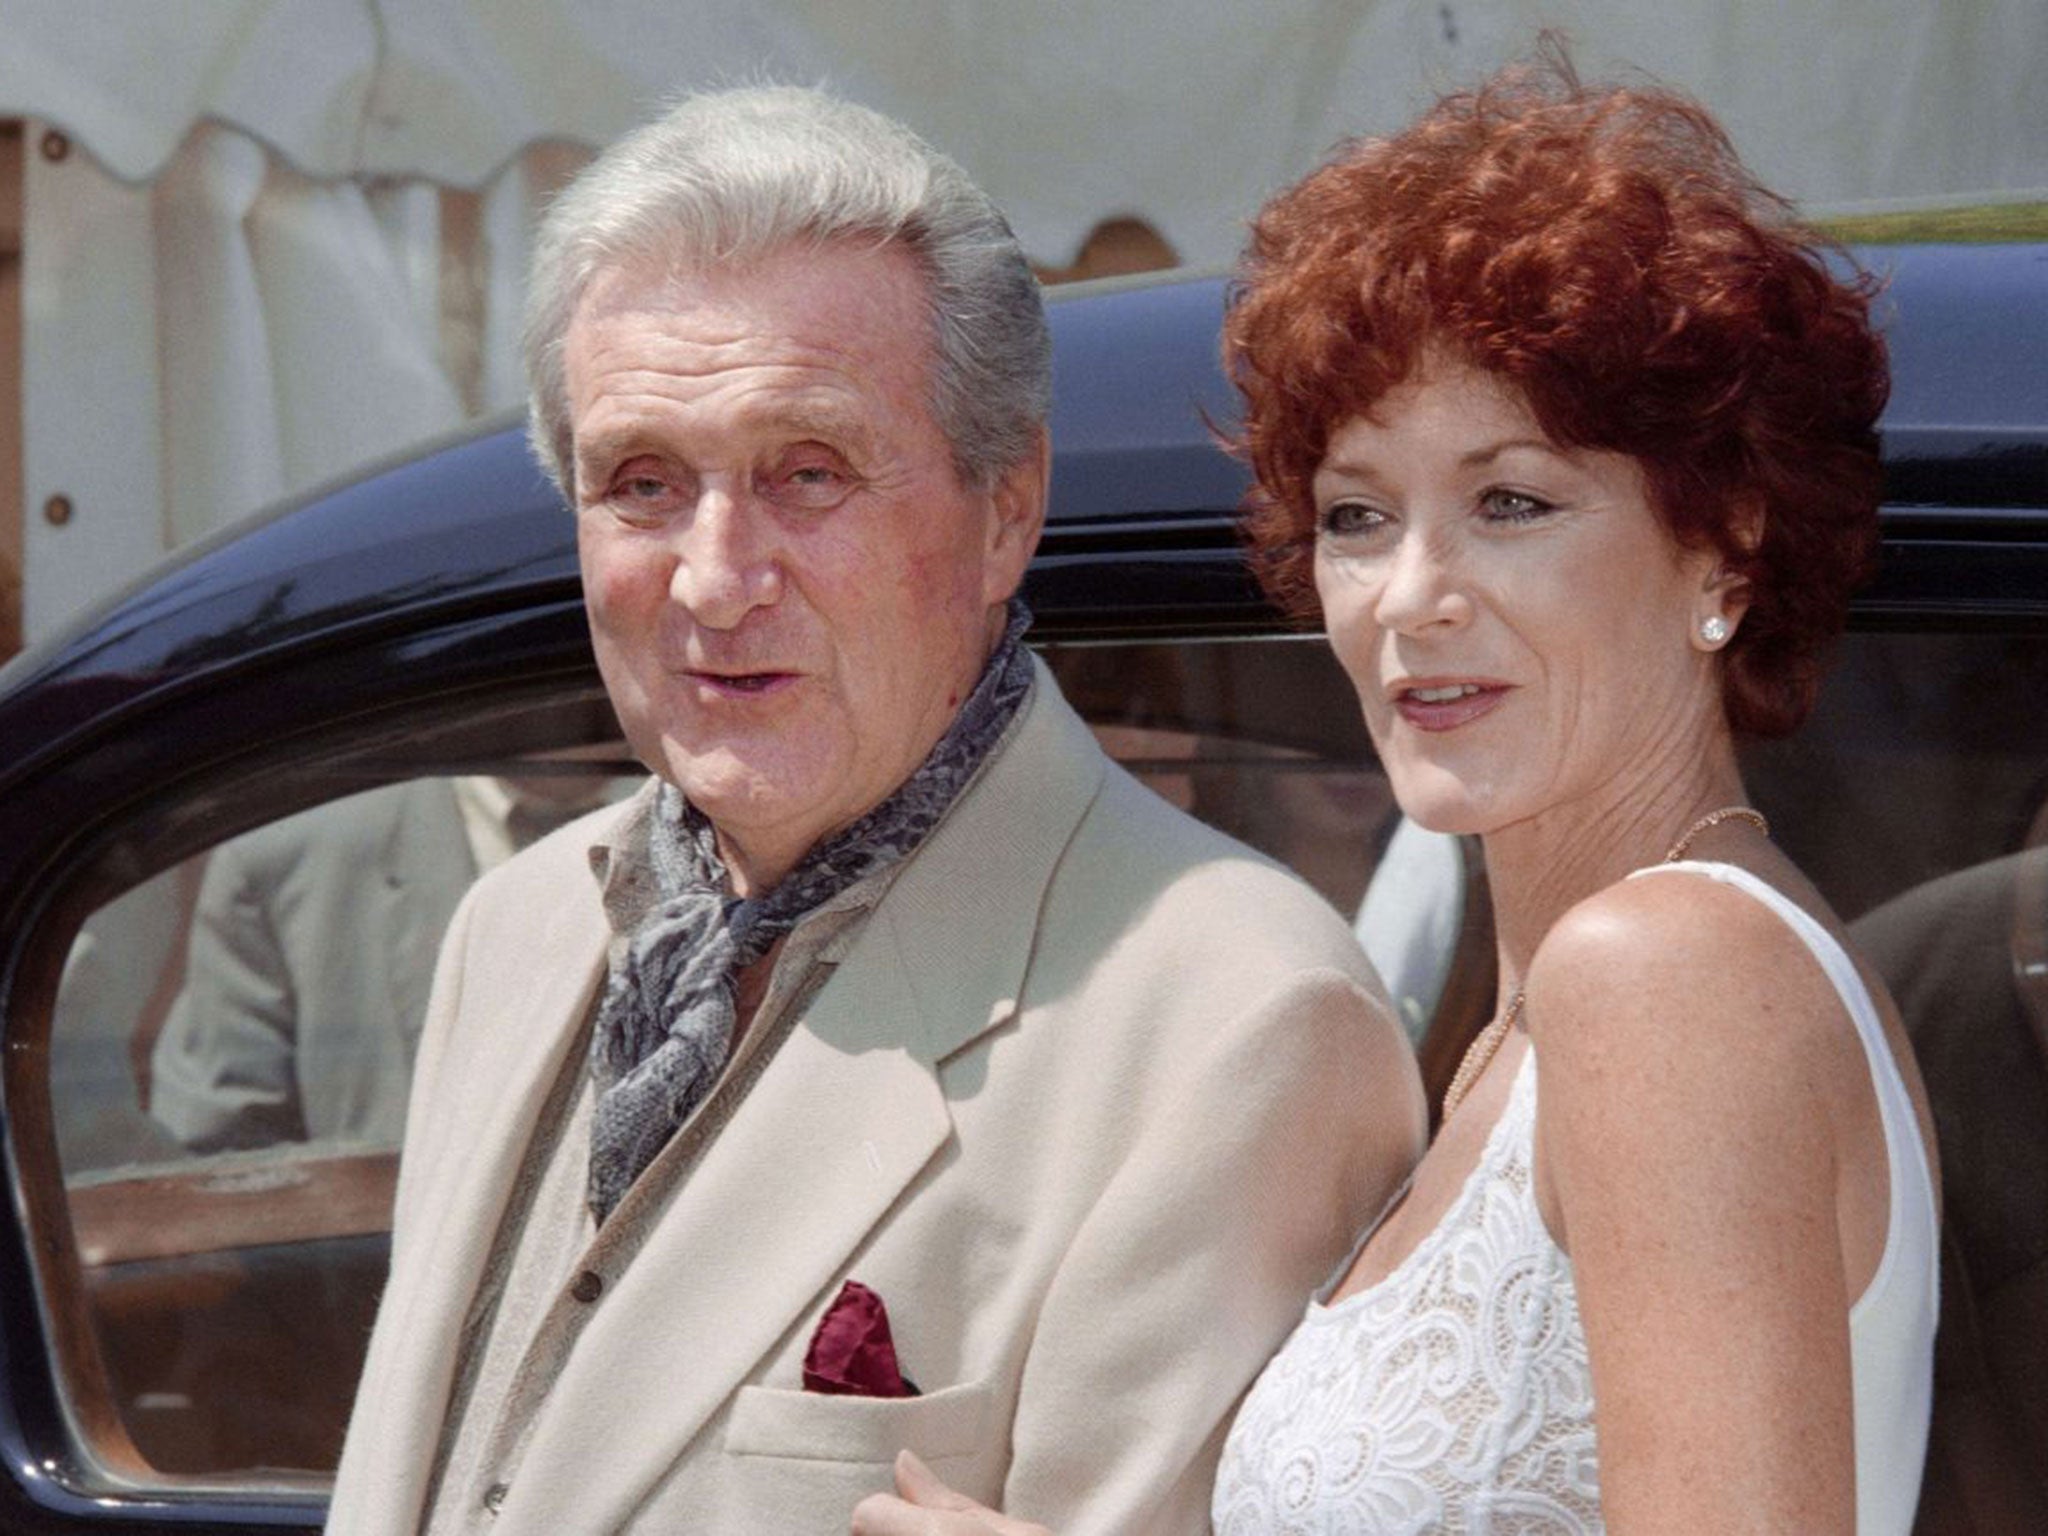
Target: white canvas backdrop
(236,282)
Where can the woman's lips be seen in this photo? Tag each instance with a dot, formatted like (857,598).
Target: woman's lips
(1445,705)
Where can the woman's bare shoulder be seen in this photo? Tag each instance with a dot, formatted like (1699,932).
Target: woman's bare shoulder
(1679,969)
(1690,1048)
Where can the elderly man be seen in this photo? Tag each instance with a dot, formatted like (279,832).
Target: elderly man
(907,1076)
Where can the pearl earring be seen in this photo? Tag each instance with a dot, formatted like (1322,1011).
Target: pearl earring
(1713,630)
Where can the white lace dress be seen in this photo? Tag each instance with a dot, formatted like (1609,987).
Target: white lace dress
(1451,1396)
(1454,1395)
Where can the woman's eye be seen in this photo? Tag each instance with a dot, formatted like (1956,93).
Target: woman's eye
(1349,519)
(1506,506)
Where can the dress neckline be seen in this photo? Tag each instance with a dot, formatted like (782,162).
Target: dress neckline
(1491,1153)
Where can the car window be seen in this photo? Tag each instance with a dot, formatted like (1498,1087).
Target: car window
(1263,740)
(1260,738)
(230,1042)
(209,1142)
(231,1053)
(211,1152)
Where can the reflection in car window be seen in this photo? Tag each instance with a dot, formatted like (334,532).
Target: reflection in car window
(312,952)
(1260,738)
(231,1054)
(123,971)
(1263,740)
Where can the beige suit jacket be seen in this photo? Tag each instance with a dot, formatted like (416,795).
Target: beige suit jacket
(1094,1101)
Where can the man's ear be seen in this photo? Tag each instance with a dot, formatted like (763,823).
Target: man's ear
(1016,518)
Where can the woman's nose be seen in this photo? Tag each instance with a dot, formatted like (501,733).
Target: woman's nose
(1422,584)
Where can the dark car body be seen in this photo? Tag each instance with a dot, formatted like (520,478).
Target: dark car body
(426,619)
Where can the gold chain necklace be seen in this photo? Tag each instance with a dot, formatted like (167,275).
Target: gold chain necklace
(1486,1044)
(1480,1053)
(1713,819)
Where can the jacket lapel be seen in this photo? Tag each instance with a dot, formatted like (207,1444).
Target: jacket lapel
(965,913)
(846,1115)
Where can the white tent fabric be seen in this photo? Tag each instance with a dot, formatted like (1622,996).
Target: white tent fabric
(238,288)
(201,345)
(1181,111)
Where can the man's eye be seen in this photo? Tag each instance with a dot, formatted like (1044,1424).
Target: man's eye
(642,486)
(810,481)
(641,499)
(1349,519)
(1505,506)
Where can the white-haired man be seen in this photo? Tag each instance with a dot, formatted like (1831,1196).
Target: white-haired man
(906,1077)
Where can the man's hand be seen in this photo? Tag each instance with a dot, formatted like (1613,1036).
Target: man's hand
(924,1506)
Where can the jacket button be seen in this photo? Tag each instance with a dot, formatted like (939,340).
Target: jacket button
(587,1287)
(495,1496)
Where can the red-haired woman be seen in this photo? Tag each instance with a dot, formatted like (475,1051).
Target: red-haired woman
(1565,430)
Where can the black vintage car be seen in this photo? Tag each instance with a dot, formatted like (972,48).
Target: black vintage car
(195,1242)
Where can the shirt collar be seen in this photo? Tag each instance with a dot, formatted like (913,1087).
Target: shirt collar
(628,888)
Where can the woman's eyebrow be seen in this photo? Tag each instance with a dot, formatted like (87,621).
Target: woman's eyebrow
(1482,456)
(1346,468)
(1486,453)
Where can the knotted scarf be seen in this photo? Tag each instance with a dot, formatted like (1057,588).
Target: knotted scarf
(665,1025)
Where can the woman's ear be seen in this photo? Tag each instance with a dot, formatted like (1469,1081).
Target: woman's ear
(1724,594)
(1748,528)
(1727,591)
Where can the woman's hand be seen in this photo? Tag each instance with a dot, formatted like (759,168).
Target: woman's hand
(924,1506)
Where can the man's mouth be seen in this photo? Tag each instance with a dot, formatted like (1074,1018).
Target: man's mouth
(743,684)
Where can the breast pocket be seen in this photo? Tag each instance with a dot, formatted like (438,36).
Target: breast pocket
(816,1426)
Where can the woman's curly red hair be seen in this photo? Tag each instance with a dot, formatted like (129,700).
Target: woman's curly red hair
(1605,251)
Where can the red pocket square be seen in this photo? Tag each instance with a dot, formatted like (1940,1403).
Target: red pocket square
(852,1352)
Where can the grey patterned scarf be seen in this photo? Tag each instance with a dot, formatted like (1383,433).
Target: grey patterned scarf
(666,1022)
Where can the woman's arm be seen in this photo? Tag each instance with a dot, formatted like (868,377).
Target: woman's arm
(1693,1065)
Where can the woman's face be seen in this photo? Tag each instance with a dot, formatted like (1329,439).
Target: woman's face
(1522,631)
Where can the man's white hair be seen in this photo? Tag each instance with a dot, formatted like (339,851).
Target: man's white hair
(729,178)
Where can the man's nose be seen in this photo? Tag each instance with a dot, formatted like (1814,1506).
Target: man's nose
(1423,584)
(728,560)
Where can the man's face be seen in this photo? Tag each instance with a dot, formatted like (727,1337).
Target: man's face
(790,590)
